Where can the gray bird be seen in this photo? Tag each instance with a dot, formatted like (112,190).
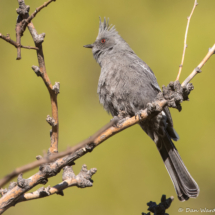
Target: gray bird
(126,85)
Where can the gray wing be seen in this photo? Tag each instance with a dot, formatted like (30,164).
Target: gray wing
(154,83)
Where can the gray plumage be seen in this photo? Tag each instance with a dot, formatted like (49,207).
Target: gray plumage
(126,85)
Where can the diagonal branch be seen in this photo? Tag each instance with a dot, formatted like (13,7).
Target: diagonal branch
(51,169)
(173,92)
(185,40)
(29,19)
(198,68)
(53,157)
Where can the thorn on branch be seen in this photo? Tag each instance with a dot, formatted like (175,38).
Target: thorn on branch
(36,69)
(50,120)
(56,87)
(83,179)
(161,207)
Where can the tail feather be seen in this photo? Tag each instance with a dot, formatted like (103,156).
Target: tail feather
(183,182)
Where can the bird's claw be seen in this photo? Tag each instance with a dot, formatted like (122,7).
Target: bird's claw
(139,114)
(119,121)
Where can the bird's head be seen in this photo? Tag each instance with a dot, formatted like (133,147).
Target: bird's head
(107,40)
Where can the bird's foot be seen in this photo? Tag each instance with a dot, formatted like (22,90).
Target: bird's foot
(139,114)
(118,121)
(175,94)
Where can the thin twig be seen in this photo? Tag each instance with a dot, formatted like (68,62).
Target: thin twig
(198,68)
(185,40)
(15,44)
(29,19)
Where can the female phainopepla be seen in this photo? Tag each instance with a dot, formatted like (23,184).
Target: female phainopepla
(126,85)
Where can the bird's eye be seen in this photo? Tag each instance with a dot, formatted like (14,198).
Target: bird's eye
(103,41)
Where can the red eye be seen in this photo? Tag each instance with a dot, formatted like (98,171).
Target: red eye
(103,41)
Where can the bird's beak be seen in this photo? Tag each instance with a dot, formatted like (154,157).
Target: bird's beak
(90,46)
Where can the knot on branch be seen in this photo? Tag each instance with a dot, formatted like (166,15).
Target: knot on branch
(23,9)
(36,69)
(12,185)
(21,182)
(38,39)
(38,157)
(3,191)
(50,120)
(83,179)
(48,170)
(198,70)
(44,191)
(174,93)
(56,87)
(161,207)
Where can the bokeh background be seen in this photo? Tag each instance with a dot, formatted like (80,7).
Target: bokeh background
(130,170)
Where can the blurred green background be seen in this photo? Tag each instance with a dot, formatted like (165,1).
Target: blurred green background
(130,170)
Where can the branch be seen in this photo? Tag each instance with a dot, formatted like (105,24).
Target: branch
(24,20)
(197,70)
(29,19)
(15,44)
(82,180)
(54,90)
(53,157)
(173,92)
(159,209)
(185,40)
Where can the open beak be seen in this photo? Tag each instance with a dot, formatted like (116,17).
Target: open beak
(90,46)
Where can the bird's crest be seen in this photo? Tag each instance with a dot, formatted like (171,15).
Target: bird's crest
(105,29)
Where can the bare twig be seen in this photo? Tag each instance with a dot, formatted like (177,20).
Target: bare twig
(185,40)
(82,180)
(53,90)
(23,20)
(29,19)
(15,44)
(198,68)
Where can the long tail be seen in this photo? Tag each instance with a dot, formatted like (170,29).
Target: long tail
(183,182)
